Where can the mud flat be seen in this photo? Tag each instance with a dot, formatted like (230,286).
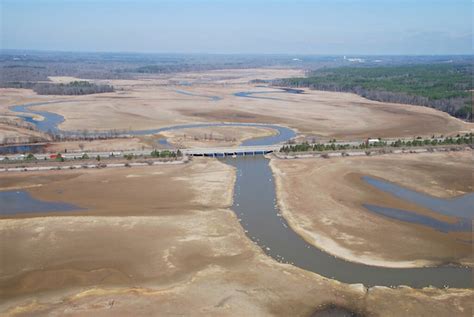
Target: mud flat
(163,241)
(156,102)
(215,136)
(322,199)
(119,144)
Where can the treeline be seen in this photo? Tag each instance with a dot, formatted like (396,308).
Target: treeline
(72,88)
(445,87)
(166,154)
(307,147)
(458,140)
(166,69)
(86,135)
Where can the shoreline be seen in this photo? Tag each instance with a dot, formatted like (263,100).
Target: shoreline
(172,136)
(329,245)
(219,234)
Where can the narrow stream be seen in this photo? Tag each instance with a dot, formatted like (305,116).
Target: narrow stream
(255,204)
(258,94)
(188,93)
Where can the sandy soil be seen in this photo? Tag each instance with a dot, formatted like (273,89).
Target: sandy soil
(154,102)
(63,79)
(162,241)
(324,114)
(221,77)
(138,143)
(325,206)
(214,136)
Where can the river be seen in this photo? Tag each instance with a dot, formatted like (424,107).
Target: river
(255,205)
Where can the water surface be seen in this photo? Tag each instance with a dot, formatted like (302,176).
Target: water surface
(188,93)
(255,205)
(52,120)
(257,94)
(21,202)
(461,225)
(462,206)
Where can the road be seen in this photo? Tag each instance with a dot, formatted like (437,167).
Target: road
(238,150)
(216,151)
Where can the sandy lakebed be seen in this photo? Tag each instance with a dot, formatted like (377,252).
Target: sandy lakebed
(322,199)
(162,240)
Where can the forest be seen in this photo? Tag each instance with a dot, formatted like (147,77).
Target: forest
(446,87)
(72,88)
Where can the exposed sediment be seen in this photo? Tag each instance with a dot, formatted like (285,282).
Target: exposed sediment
(127,255)
(322,200)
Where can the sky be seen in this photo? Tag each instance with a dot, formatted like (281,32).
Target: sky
(323,27)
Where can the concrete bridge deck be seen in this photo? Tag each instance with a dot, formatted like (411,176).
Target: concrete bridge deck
(229,151)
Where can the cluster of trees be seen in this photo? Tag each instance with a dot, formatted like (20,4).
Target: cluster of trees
(17,139)
(21,140)
(72,88)
(166,154)
(458,140)
(307,147)
(30,157)
(445,87)
(86,135)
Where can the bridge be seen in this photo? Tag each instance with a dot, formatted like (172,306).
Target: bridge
(231,151)
(206,152)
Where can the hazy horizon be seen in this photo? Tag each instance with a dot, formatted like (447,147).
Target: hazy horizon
(340,27)
(348,55)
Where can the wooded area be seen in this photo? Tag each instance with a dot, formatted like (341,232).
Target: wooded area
(446,87)
(72,88)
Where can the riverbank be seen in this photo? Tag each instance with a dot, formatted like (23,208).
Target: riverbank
(162,241)
(215,136)
(156,104)
(325,207)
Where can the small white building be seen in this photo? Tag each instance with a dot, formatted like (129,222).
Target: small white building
(372,141)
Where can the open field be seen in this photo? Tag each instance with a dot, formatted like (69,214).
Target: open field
(157,101)
(119,144)
(162,241)
(322,114)
(214,136)
(322,200)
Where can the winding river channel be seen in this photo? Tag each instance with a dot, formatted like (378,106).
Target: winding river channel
(255,205)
